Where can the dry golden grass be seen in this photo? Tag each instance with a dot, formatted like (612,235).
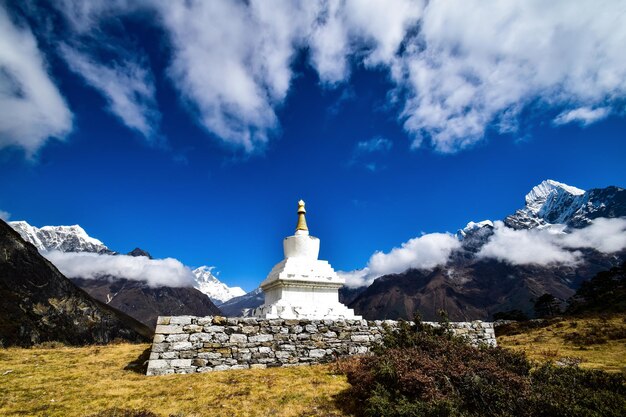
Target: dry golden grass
(550,343)
(67,381)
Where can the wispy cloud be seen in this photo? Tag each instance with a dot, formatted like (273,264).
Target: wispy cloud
(5,215)
(582,115)
(128,87)
(155,272)
(32,109)
(376,144)
(367,152)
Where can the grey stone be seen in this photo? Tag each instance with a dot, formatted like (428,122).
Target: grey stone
(317,353)
(160,347)
(178,337)
(260,338)
(360,338)
(310,328)
(209,355)
(213,329)
(180,363)
(163,320)
(181,346)
(221,337)
(168,329)
(203,321)
(158,364)
(238,338)
(192,328)
(180,320)
(200,337)
(249,329)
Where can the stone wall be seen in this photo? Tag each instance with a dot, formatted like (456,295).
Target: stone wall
(187,344)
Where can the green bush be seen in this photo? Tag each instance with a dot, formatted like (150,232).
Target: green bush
(420,370)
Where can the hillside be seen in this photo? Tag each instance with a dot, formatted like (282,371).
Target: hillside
(39,304)
(592,342)
(474,283)
(145,303)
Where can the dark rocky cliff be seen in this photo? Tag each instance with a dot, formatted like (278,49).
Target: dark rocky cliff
(39,304)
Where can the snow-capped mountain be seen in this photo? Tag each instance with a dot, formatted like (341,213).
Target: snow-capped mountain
(217,291)
(472,227)
(552,202)
(474,285)
(62,238)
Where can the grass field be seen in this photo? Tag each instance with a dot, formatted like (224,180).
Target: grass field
(86,381)
(92,380)
(597,343)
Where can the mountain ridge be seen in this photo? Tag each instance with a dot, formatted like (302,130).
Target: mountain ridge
(39,304)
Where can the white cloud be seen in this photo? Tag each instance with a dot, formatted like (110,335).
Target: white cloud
(582,115)
(128,87)
(546,246)
(424,252)
(31,107)
(604,235)
(519,247)
(376,144)
(371,31)
(231,63)
(156,272)
(5,215)
(458,66)
(552,245)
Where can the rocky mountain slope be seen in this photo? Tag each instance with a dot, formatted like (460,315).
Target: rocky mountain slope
(146,303)
(552,202)
(135,298)
(39,304)
(239,306)
(473,287)
(217,291)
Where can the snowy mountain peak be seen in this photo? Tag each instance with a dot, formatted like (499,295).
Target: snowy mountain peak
(552,202)
(547,192)
(217,291)
(62,238)
(472,226)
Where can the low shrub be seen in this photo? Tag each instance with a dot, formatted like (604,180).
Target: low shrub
(421,370)
(596,334)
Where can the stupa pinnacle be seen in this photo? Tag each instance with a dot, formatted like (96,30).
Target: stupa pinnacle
(302,286)
(301,226)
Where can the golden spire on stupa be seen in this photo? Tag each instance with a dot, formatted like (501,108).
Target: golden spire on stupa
(301,219)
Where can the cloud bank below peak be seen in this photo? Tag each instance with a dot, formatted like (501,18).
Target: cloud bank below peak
(155,272)
(552,245)
(458,67)
(424,252)
(546,247)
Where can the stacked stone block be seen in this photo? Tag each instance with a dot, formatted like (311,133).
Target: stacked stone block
(187,344)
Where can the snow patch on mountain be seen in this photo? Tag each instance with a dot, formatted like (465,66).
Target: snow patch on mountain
(472,227)
(61,238)
(217,291)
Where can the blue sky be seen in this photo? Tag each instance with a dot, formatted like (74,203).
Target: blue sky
(191,130)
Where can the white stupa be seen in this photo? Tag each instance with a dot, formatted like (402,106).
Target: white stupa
(302,286)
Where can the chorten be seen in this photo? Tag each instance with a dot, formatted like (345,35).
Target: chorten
(302,286)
